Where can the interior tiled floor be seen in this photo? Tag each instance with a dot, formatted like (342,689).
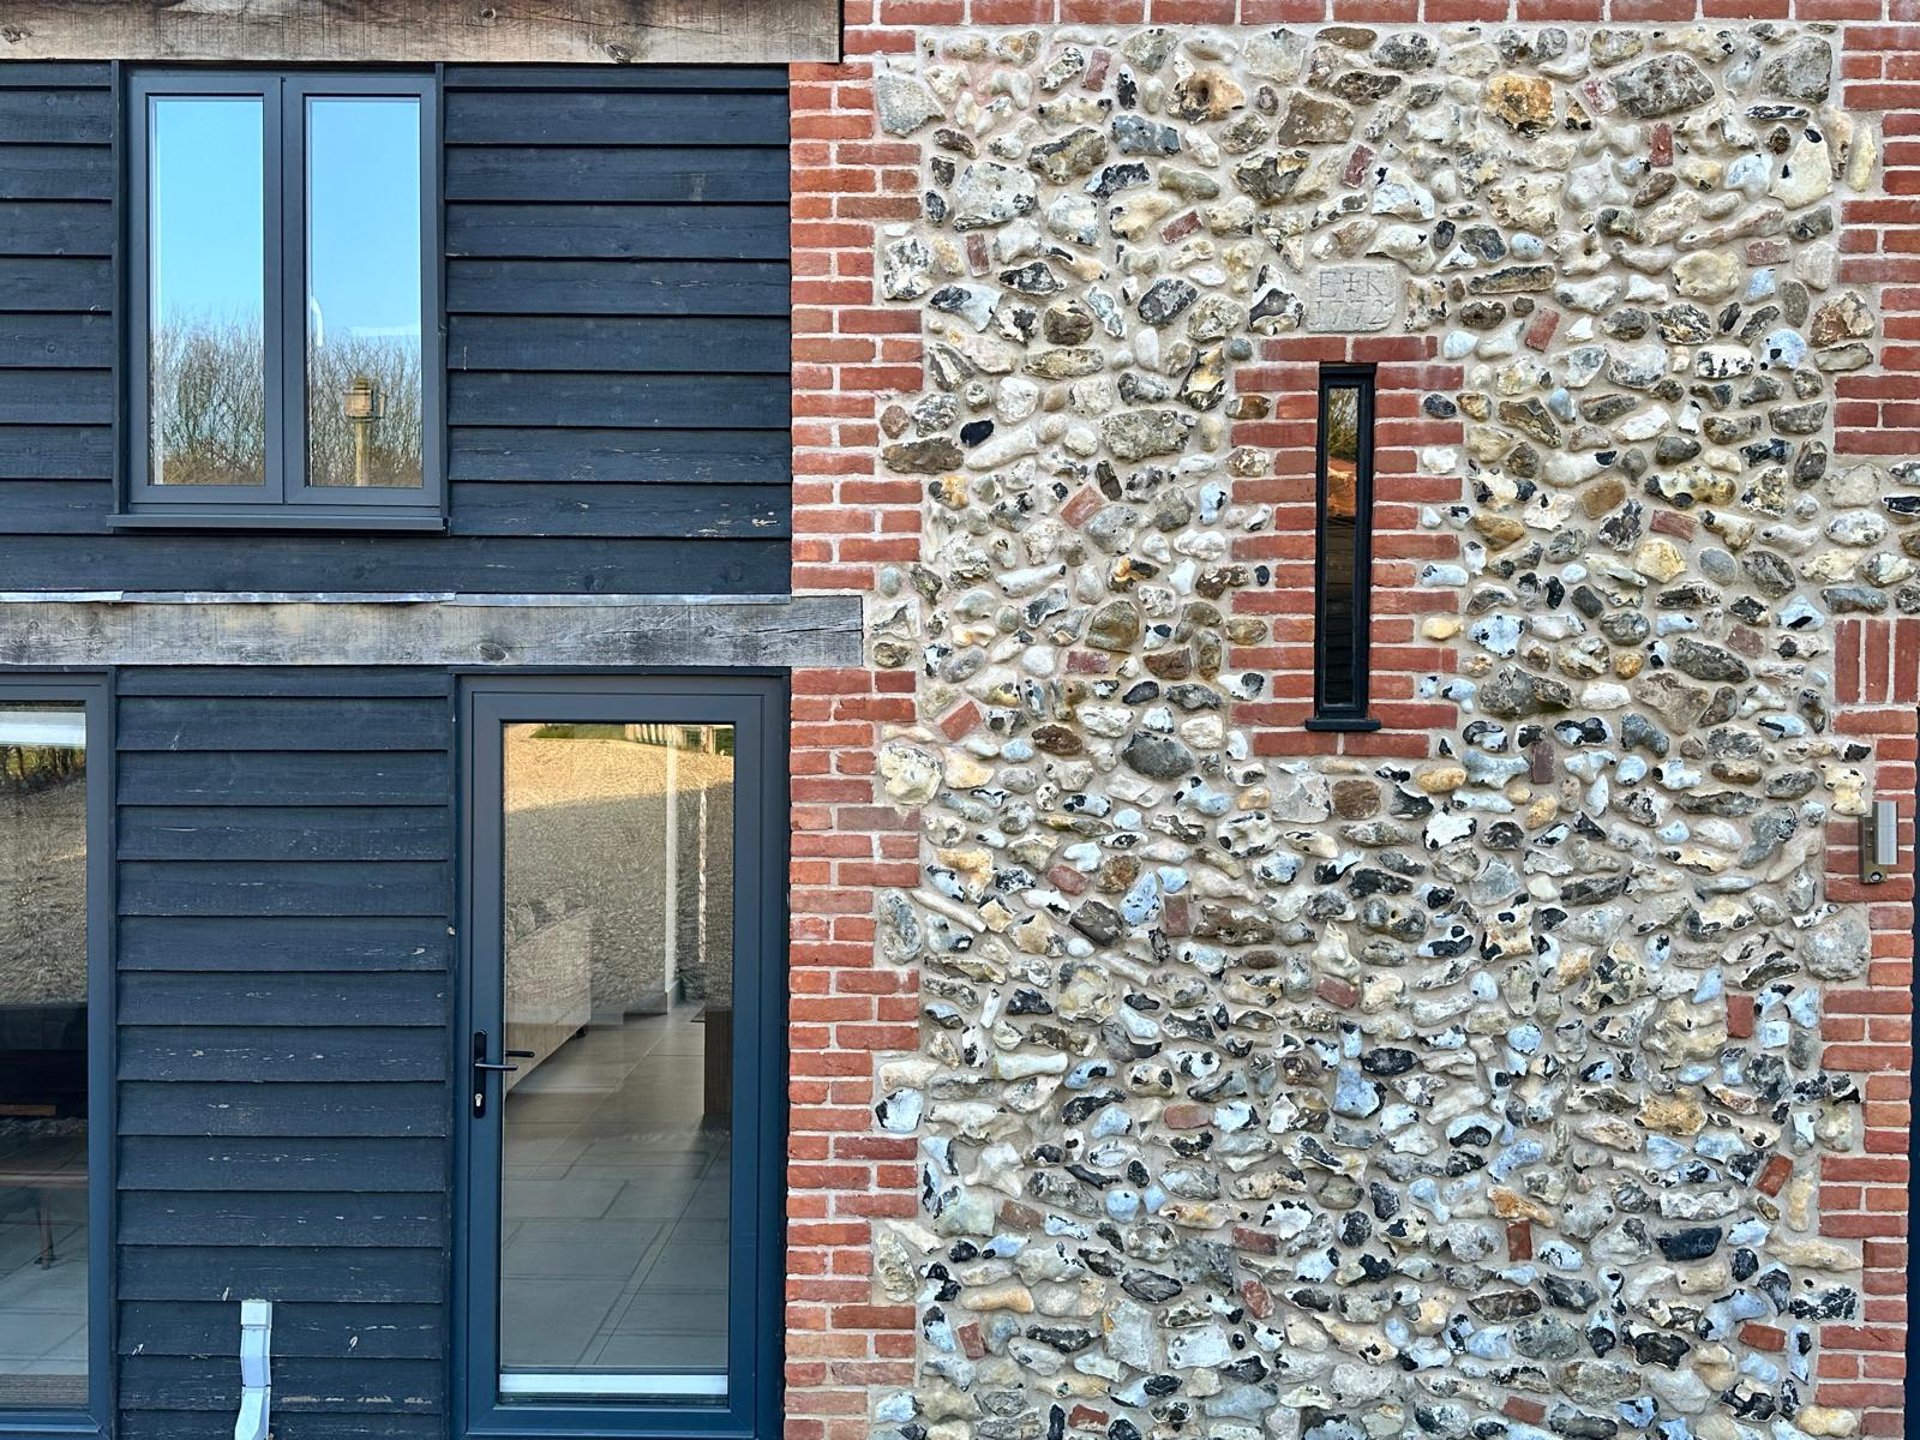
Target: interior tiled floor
(43,1312)
(614,1214)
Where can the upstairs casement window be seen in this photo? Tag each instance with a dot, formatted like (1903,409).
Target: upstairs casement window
(1343,550)
(283,300)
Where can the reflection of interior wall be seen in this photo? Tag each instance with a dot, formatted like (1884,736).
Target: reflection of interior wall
(587,836)
(43,869)
(549,987)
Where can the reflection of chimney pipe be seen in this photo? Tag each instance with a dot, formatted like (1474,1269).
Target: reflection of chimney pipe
(364,406)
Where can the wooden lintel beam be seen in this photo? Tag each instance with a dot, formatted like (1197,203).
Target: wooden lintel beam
(467,631)
(602,32)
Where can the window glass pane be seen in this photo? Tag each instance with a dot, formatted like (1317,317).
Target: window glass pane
(1343,451)
(43,1056)
(1341,607)
(207,402)
(364,421)
(616,1128)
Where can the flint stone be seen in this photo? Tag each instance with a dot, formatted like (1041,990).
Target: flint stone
(1695,1243)
(1837,950)
(1311,120)
(1277,55)
(989,194)
(1209,94)
(1115,626)
(1137,135)
(1547,1337)
(1498,1305)
(1099,922)
(1271,178)
(1131,1335)
(1804,72)
(1158,757)
(1141,434)
(1165,300)
(1080,153)
(1150,1286)
(1513,693)
(1598,1382)
(1707,662)
(1771,575)
(1661,86)
(1112,179)
(904,104)
(1404,52)
(1523,102)
(933,456)
(1204,1347)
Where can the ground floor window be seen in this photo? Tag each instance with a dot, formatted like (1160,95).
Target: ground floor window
(53,1131)
(622,1149)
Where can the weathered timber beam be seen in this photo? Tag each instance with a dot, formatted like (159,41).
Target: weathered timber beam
(621,32)
(461,631)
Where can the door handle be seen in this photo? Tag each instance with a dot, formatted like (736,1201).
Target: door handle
(482,1067)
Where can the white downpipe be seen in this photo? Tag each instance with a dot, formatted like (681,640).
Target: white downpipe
(256,1377)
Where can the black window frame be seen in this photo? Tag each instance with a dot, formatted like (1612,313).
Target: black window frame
(758,705)
(1333,671)
(92,691)
(285,499)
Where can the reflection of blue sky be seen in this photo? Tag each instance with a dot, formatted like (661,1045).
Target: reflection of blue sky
(363,214)
(207,213)
(363,218)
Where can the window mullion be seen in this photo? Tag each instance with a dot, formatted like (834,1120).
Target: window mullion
(288,236)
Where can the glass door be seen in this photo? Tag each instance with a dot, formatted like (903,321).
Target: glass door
(622,1092)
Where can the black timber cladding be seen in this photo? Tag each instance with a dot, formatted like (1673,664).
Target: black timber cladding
(618,345)
(284,887)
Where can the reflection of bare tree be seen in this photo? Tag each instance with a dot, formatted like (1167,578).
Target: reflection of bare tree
(25,769)
(1340,426)
(209,404)
(210,407)
(1343,423)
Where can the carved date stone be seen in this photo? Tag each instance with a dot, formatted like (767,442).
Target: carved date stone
(1352,299)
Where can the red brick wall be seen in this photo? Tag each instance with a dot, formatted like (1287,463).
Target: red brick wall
(851,356)
(847,354)
(1869,1029)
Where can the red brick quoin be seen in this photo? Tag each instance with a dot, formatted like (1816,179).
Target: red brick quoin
(1866,1198)
(851,357)
(1868,1028)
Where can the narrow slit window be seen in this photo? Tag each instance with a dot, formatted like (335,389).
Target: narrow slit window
(1343,550)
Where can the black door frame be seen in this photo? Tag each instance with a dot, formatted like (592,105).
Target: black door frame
(756,705)
(94,692)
